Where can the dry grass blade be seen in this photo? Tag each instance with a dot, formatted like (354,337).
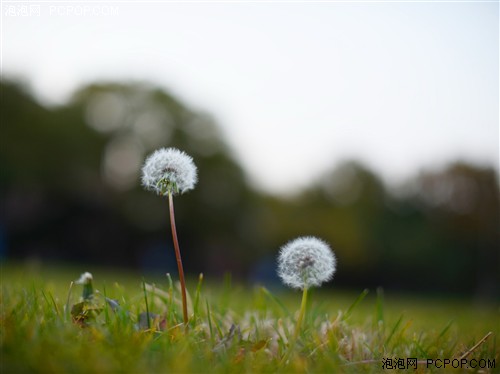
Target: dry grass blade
(476,346)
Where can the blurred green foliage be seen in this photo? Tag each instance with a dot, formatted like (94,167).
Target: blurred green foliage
(70,191)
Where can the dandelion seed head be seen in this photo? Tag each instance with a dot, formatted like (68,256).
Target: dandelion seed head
(306,262)
(168,169)
(85,278)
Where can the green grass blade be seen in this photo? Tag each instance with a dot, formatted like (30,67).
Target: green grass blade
(445,330)
(106,310)
(147,306)
(266,292)
(355,303)
(226,293)
(66,307)
(394,329)
(46,299)
(54,303)
(209,317)
(380,305)
(171,299)
(197,297)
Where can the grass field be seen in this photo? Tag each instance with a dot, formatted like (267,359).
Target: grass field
(232,328)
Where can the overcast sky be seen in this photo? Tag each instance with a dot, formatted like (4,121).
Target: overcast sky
(297,87)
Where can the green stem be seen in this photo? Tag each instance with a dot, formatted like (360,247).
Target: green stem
(296,334)
(88,291)
(301,314)
(179,259)
(66,307)
(147,305)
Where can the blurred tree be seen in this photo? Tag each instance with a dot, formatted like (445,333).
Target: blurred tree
(439,235)
(346,207)
(70,181)
(463,204)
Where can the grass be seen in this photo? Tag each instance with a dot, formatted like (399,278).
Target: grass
(231,328)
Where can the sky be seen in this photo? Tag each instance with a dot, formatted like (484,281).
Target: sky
(297,87)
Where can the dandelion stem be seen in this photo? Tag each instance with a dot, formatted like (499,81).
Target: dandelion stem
(178,257)
(296,334)
(301,314)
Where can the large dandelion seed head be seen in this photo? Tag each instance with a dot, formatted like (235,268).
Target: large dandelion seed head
(306,262)
(169,170)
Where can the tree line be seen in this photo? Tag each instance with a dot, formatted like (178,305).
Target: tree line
(70,191)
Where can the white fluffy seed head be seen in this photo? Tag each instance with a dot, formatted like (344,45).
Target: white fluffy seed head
(306,262)
(85,278)
(169,169)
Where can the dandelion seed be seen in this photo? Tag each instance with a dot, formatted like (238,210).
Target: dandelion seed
(168,169)
(306,262)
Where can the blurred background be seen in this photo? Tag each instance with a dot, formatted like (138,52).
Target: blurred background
(373,126)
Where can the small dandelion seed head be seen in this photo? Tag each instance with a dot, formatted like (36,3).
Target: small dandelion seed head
(306,262)
(168,169)
(85,278)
